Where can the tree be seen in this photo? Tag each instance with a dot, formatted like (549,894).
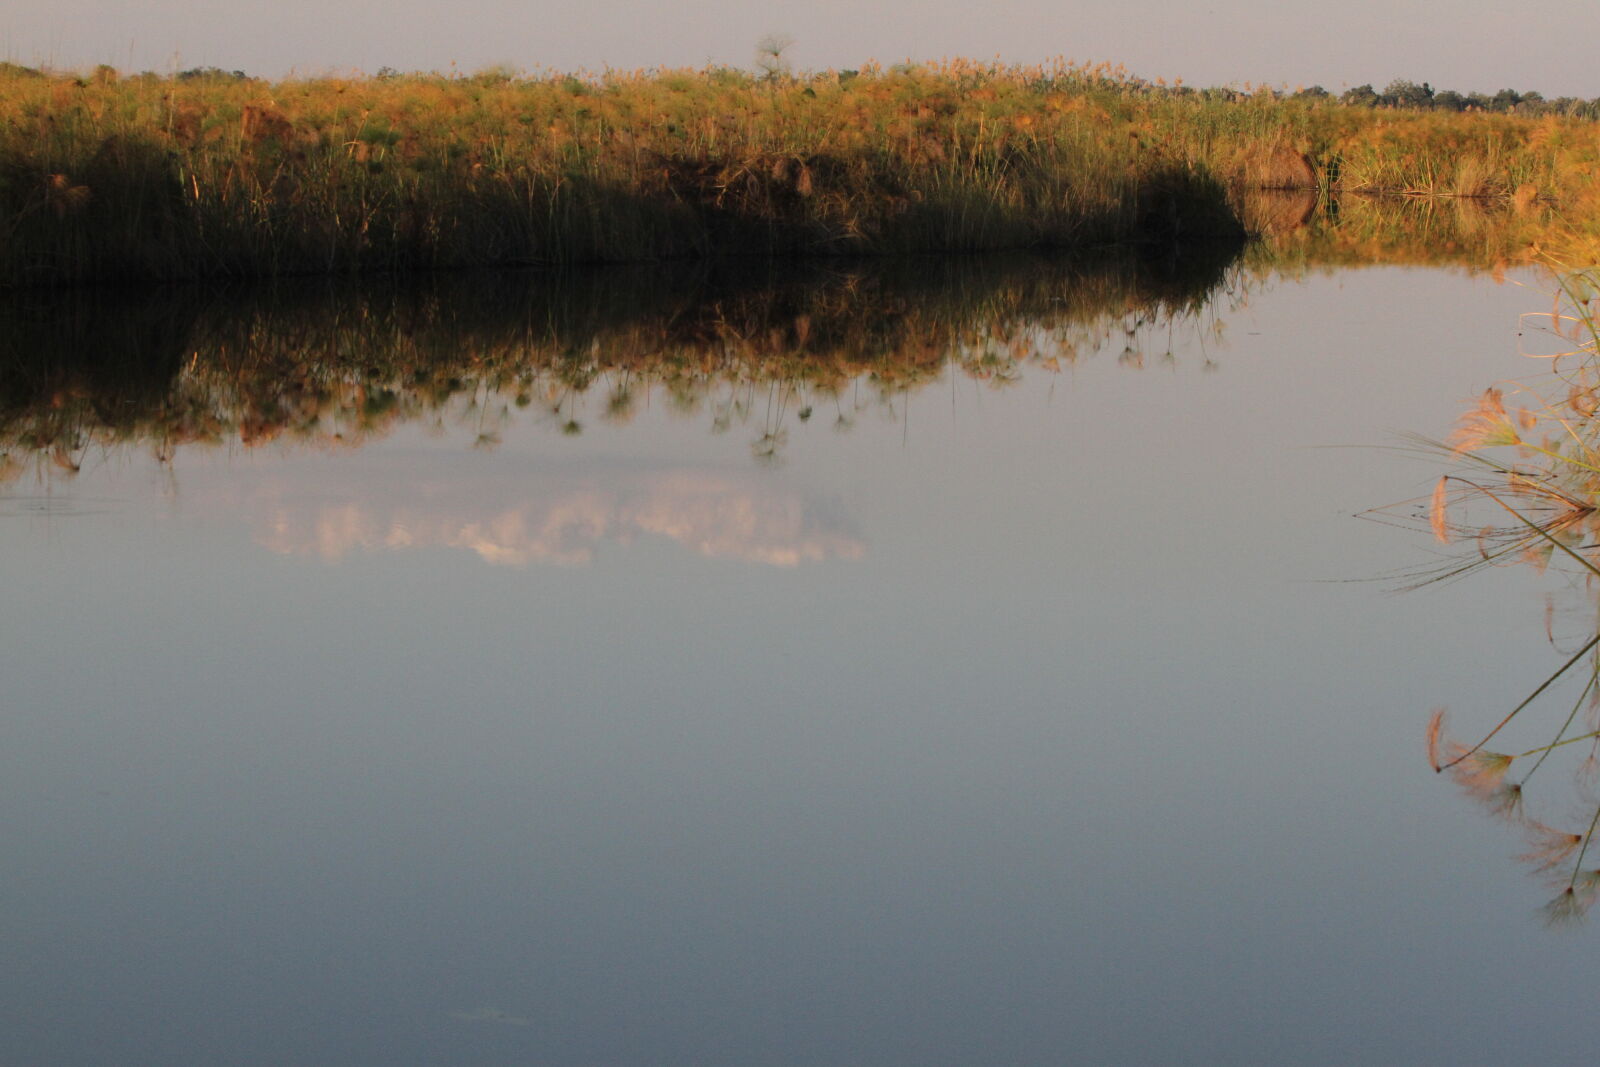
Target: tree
(1360,96)
(1403,93)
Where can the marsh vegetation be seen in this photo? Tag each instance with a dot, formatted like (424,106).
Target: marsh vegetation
(219,175)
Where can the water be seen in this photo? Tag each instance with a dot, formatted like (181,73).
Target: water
(955,722)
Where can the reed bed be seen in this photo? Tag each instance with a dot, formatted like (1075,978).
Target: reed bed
(108,177)
(146,177)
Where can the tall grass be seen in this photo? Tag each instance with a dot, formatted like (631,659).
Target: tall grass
(164,178)
(147,177)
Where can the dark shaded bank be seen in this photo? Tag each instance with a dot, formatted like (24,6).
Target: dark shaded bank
(133,212)
(99,366)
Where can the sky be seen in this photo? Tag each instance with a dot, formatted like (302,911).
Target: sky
(1468,46)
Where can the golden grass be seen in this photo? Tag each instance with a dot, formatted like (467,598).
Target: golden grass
(167,177)
(235,177)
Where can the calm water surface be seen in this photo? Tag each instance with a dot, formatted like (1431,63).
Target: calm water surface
(955,722)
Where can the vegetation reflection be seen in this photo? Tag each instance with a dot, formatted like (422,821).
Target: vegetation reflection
(753,344)
(85,371)
(1528,492)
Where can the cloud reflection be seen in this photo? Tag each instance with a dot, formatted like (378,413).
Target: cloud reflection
(564,520)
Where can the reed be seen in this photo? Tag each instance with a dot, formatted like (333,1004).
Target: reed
(109,177)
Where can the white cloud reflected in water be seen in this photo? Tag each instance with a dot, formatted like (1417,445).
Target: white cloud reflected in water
(556,518)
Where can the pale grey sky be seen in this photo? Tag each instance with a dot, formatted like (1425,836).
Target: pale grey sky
(1469,45)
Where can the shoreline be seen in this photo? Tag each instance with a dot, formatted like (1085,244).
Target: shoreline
(215,177)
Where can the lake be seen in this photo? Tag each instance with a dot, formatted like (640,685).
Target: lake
(971,661)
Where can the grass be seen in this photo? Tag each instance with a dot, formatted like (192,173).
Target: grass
(165,178)
(106,177)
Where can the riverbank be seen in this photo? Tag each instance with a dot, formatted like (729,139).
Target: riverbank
(151,178)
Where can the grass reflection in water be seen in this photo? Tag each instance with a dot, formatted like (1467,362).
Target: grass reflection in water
(86,371)
(1527,492)
(747,343)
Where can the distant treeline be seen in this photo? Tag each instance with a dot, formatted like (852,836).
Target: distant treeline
(1424,97)
(1399,93)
